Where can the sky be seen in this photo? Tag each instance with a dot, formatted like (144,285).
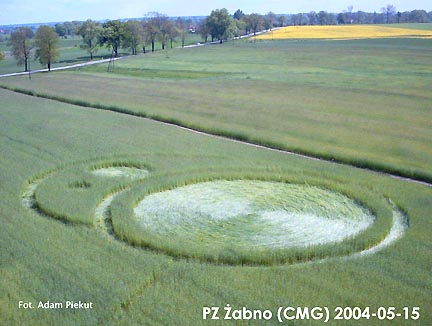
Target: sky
(40,11)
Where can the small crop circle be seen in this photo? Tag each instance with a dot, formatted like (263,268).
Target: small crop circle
(248,214)
(129,172)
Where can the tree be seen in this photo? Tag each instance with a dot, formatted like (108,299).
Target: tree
(159,21)
(111,35)
(2,56)
(218,22)
(238,14)
(47,45)
(233,30)
(322,17)
(331,19)
(156,28)
(151,32)
(254,22)
(71,27)
(399,15)
(165,30)
(90,32)
(182,29)
(240,27)
(313,18)
(173,32)
(281,20)
(388,11)
(269,20)
(350,14)
(341,18)
(298,19)
(203,29)
(144,35)
(21,43)
(132,35)
(361,17)
(61,29)
(418,16)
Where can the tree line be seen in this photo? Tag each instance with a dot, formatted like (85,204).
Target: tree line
(115,34)
(46,40)
(142,35)
(387,15)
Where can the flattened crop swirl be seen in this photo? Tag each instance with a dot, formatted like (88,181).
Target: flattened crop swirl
(103,222)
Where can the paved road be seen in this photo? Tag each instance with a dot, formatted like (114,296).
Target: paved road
(61,68)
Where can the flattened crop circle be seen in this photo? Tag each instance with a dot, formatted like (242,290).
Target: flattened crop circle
(248,214)
(230,222)
(132,173)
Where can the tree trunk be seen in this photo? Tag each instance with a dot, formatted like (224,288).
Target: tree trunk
(49,66)
(25,57)
(152,46)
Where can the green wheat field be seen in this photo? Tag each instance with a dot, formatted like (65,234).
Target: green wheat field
(106,197)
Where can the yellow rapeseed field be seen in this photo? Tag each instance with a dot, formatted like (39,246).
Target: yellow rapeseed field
(343,32)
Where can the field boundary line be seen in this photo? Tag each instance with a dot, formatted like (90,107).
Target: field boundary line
(284,151)
(237,138)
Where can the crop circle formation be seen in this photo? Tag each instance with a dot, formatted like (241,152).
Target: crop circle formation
(245,214)
(223,221)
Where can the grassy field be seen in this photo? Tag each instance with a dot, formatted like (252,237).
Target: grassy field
(364,102)
(72,176)
(70,53)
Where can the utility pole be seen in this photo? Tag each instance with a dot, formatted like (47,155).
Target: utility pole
(111,62)
(29,70)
